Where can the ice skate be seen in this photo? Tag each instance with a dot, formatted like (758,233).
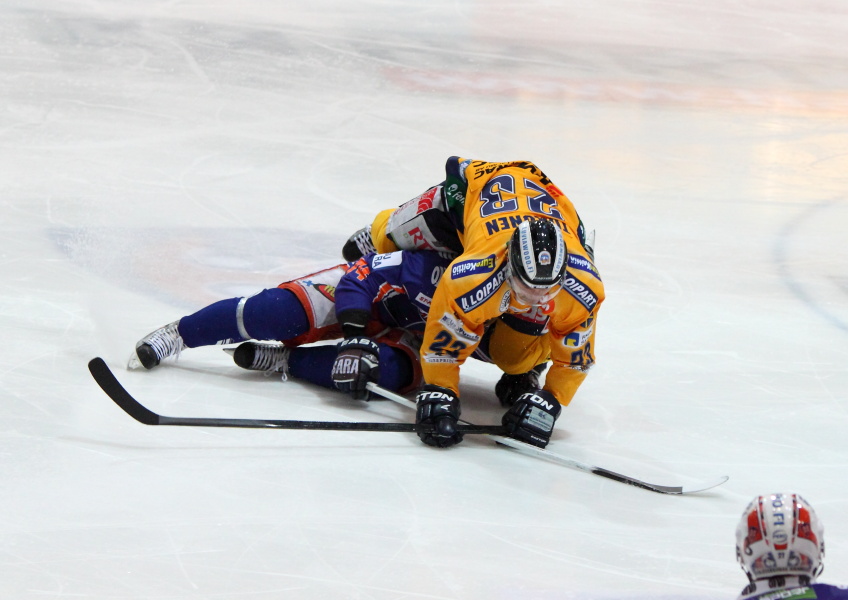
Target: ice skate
(358,245)
(510,387)
(271,358)
(156,345)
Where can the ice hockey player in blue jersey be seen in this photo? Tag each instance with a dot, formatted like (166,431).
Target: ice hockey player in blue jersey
(780,545)
(378,305)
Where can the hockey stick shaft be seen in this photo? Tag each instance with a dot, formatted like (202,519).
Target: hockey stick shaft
(112,387)
(562,460)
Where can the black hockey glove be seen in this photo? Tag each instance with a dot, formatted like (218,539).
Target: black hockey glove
(510,387)
(357,363)
(436,415)
(531,419)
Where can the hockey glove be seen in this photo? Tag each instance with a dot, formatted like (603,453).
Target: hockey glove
(531,419)
(436,415)
(357,363)
(510,387)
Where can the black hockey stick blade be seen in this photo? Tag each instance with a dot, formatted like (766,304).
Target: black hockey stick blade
(113,388)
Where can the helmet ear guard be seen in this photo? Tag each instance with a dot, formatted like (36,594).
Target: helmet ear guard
(780,534)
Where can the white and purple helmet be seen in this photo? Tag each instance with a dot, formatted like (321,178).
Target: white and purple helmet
(780,534)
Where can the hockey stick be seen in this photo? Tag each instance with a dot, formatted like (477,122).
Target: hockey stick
(562,460)
(113,388)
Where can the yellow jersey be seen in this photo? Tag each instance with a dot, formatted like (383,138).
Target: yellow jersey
(486,201)
(481,203)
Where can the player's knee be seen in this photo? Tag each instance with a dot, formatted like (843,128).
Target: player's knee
(379,235)
(273,314)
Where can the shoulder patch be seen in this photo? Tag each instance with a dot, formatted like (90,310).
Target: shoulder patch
(391,259)
(580,291)
(477,296)
(583,264)
(473,266)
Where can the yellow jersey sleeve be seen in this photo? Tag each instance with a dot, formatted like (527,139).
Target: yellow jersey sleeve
(471,293)
(572,328)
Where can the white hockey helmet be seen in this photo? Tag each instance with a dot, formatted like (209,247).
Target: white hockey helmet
(780,534)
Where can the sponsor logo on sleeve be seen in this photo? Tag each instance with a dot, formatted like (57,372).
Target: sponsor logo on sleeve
(477,296)
(455,326)
(435,358)
(576,339)
(583,264)
(391,259)
(580,291)
(473,266)
(422,299)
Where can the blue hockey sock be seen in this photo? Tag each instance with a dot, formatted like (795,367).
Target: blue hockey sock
(211,325)
(313,364)
(272,314)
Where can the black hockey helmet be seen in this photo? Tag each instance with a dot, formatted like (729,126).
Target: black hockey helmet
(537,259)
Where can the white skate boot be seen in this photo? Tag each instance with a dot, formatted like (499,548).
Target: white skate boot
(271,358)
(156,345)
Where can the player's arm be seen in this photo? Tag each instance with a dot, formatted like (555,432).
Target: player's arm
(355,295)
(573,354)
(451,336)
(357,359)
(432,220)
(532,417)
(412,274)
(449,339)
(397,275)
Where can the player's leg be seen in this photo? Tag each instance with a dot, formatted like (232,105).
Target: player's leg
(398,368)
(419,224)
(271,314)
(298,311)
(371,238)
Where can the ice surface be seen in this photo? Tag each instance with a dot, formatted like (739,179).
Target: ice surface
(156,156)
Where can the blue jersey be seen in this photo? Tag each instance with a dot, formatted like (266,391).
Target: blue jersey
(814,591)
(397,288)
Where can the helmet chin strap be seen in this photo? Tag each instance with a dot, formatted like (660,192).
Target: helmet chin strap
(515,306)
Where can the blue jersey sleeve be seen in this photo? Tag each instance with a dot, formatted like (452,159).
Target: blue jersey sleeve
(356,289)
(396,287)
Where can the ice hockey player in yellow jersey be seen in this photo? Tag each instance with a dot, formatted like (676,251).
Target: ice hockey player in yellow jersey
(522,258)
